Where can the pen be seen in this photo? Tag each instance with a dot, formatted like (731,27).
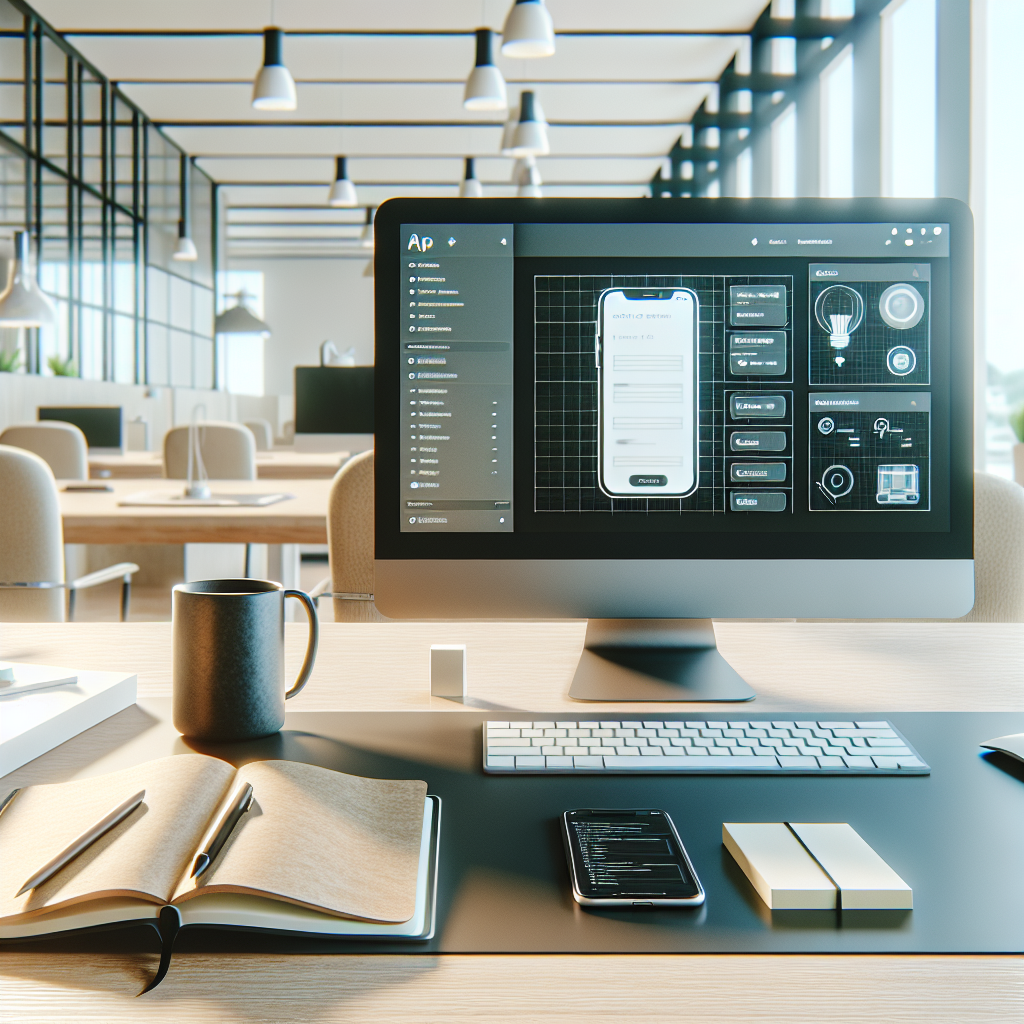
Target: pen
(217,835)
(84,841)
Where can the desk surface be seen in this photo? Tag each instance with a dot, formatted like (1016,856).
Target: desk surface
(95,517)
(273,465)
(813,667)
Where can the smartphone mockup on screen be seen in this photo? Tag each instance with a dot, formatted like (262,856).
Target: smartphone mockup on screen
(628,858)
(647,381)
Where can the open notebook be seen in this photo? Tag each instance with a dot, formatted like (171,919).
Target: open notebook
(320,852)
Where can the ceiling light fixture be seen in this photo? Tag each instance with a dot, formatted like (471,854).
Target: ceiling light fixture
(22,304)
(528,31)
(470,187)
(343,192)
(527,177)
(274,88)
(366,238)
(485,88)
(530,137)
(240,319)
(185,248)
(509,131)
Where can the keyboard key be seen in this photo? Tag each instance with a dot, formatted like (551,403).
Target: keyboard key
(718,751)
(652,752)
(783,725)
(857,761)
(555,732)
(831,762)
(807,725)
(690,763)
(578,732)
(654,725)
(499,725)
(532,732)
(883,741)
(588,762)
(910,762)
(576,751)
(559,762)
(493,733)
(725,741)
(718,725)
(551,751)
(500,750)
(798,762)
(836,725)
(592,725)
(632,725)
(530,762)
(543,725)
(647,732)
(635,741)
(501,762)
(872,725)
(611,725)
(566,725)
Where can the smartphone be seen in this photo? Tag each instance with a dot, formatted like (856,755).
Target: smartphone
(631,858)
(646,352)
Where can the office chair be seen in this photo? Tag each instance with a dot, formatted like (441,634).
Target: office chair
(288,432)
(263,433)
(32,580)
(62,446)
(228,451)
(350,543)
(998,550)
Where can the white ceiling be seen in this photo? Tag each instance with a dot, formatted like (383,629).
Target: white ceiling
(381,82)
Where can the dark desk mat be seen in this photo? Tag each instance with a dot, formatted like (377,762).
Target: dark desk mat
(956,837)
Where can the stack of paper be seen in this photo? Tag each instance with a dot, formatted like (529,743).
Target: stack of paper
(42,706)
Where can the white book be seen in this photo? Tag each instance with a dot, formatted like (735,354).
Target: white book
(36,718)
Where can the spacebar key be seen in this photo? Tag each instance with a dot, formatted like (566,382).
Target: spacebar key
(693,763)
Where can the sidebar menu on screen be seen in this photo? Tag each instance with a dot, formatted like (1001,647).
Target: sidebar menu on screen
(456,377)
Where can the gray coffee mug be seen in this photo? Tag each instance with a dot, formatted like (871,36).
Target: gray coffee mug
(229,657)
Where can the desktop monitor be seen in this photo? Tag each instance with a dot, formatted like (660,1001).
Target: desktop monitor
(634,411)
(333,399)
(103,425)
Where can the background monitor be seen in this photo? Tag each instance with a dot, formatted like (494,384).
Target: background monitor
(637,410)
(333,399)
(103,425)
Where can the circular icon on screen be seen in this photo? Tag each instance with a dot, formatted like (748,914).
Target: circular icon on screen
(837,481)
(901,306)
(901,360)
(826,425)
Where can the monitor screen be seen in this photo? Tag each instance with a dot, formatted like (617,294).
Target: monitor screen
(333,399)
(674,407)
(101,424)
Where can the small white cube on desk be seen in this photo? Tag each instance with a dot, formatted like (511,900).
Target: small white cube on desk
(448,671)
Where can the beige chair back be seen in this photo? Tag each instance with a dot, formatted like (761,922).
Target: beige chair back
(228,449)
(998,550)
(263,433)
(62,446)
(350,539)
(31,538)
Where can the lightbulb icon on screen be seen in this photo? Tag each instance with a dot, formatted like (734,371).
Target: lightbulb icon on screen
(839,310)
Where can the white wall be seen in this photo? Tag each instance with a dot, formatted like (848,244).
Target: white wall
(307,301)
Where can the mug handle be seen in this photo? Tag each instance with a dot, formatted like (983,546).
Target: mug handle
(311,646)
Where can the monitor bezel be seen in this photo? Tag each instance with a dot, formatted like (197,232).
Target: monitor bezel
(391,544)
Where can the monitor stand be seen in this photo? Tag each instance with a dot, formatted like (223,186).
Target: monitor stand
(655,660)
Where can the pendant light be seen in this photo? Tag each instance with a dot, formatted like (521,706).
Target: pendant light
(528,179)
(530,137)
(343,192)
(528,31)
(274,88)
(485,88)
(509,131)
(22,304)
(366,238)
(185,249)
(470,187)
(240,319)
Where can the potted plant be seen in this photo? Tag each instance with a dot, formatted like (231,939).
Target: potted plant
(10,361)
(1016,419)
(62,367)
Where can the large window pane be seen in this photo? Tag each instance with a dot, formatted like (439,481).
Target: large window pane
(837,127)
(784,154)
(909,95)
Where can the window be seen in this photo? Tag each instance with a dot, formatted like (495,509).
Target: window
(784,154)
(240,356)
(836,174)
(908,99)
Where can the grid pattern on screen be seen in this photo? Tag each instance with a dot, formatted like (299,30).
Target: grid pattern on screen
(864,359)
(858,446)
(566,392)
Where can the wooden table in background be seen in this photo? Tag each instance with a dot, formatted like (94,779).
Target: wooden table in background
(95,517)
(276,465)
(816,667)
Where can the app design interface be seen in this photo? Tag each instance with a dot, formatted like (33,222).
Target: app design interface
(693,377)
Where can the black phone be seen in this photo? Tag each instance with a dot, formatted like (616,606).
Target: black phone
(628,858)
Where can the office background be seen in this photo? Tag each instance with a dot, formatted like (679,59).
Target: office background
(106,106)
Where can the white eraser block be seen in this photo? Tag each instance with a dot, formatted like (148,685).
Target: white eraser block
(448,670)
(865,881)
(784,874)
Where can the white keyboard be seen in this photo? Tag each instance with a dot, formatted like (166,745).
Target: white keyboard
(684,746)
